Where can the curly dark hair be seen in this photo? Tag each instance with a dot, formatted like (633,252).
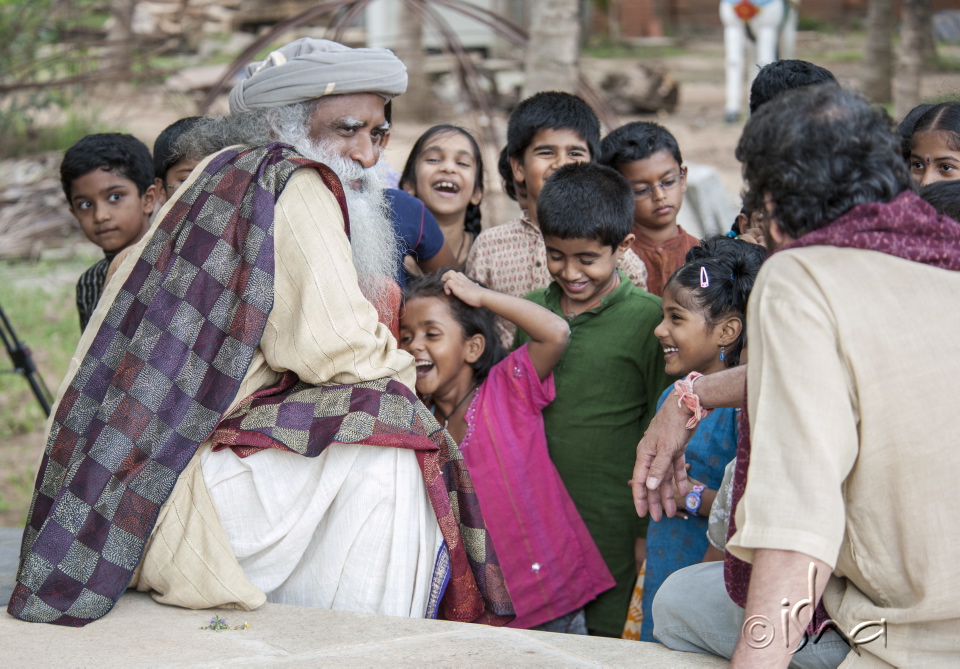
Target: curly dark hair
(731,266)
(944,196)
(409,175)
(473,320)
(785,75)
(111,151)
(817,152)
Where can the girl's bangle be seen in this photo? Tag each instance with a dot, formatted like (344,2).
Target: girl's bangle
(686,397)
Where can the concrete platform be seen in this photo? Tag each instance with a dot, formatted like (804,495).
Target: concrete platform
(140,632)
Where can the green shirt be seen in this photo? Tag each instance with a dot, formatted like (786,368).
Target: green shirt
(608,383)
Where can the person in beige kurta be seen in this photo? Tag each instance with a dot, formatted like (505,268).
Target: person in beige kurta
(851,427)
(352,529)
(280,527)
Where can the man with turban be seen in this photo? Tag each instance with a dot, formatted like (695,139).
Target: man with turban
(236,425)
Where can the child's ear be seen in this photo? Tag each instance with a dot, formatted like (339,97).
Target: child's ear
(683,186)
(516,166)
(161,191)
(625,244)
(149,199)
(474,348)
(477,196)
(730,329)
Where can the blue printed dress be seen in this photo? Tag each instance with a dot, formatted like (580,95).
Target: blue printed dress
(675,543)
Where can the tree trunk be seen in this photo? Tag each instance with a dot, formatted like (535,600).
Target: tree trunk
(553,52)
(926,26)
(878,61)
(613,21)
(415,104)
(906,94)
(118,56)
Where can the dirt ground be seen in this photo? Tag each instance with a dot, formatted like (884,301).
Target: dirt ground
(698,124)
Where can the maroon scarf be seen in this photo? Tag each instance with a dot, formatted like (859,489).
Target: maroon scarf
(906,227)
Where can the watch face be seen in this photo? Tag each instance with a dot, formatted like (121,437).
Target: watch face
(693,501)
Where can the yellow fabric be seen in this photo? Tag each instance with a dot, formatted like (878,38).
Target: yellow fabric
(321,327)
(853,356)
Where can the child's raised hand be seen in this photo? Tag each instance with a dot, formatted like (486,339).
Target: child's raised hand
(458,285)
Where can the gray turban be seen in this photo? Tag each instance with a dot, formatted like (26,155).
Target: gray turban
(311,68)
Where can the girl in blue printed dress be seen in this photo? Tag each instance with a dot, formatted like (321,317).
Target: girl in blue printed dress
(703,330)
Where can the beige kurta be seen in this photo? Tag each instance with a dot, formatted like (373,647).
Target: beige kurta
(275,511)
(854,449)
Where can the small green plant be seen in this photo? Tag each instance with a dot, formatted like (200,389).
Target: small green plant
(218,624)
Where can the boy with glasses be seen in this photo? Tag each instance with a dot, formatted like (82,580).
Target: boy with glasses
(648,156)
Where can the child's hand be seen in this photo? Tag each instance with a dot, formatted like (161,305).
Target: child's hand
(682,499)
(458,285)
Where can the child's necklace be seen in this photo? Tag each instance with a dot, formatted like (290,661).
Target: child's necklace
(447,417)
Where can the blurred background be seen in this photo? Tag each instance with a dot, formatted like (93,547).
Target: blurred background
(73,67)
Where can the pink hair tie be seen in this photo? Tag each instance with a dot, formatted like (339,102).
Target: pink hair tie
(684,388)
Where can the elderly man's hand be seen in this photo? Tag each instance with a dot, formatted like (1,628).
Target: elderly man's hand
(660,463)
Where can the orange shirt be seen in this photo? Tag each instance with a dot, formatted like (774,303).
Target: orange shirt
(664,258)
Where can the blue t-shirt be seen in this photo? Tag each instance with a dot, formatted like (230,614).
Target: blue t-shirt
(417,230)
(675,543)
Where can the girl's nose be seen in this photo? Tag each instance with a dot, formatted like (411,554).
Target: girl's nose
(661,330)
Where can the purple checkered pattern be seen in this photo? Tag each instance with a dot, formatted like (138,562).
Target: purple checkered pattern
(165,364)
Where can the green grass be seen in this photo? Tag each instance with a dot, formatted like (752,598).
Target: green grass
(44,316)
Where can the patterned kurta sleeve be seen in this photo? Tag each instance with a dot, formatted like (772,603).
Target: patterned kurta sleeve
(634,268)
(321,325)
(479,267)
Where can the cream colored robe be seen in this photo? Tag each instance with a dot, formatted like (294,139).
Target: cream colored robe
(323,531)
(854,448)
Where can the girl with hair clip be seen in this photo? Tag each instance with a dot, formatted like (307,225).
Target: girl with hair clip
(934,145)
(445,170)
(703,331)
(491,404)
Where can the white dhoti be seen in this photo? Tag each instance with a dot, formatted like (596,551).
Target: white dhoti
(351,530)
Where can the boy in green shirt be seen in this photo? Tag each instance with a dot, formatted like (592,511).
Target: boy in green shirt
(611,374)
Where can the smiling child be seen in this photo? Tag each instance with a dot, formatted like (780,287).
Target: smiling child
(545,132)
(611,374)
(648,156)
(108,181)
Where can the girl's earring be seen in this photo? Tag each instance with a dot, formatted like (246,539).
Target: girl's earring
(723,349)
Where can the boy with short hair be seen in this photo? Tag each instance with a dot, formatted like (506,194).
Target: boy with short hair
(108,181)
(648,156)
(171,166)
(545,131)
(612,373)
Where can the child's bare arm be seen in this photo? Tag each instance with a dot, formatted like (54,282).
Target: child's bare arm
(548,332)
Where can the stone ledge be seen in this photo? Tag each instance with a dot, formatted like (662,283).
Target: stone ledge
(139,631)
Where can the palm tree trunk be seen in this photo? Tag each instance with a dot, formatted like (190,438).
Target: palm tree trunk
(906,94)
(878,61)
(553,52)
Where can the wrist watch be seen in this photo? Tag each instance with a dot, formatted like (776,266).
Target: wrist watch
(694,500)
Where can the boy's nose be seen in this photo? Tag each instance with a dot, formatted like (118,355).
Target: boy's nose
(101,213)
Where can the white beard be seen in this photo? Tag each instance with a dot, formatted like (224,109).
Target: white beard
(376,251)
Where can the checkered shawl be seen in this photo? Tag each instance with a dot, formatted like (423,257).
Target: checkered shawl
(302,418)
(164,366)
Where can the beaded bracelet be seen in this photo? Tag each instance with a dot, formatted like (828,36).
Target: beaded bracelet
(684,388)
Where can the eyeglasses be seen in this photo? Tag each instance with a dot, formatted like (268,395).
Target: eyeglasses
(174,186)
(646,192)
